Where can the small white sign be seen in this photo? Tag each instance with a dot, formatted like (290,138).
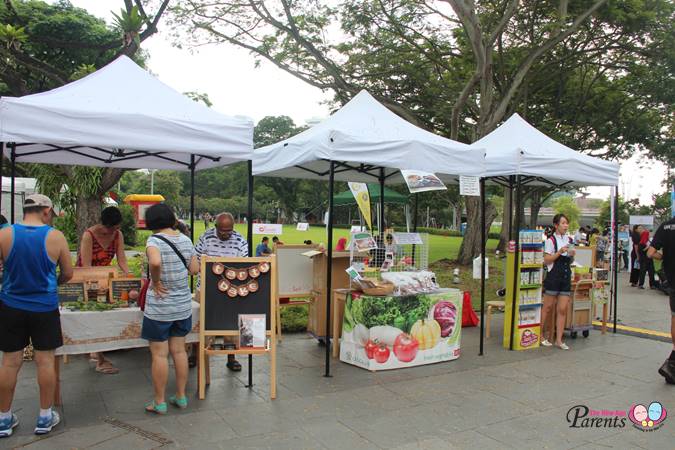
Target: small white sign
(302,226)
(408,238)
(357,229)
(469,186)
(267,228)
(642,220)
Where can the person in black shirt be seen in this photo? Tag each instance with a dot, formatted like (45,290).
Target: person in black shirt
(663,248)
(634,255)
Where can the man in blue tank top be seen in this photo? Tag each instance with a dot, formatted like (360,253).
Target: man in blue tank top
(29,306)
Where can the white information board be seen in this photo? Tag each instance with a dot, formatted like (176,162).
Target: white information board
(584,256)
(302,226)
(642,220)
(469,186)
(296,271)
(267,228)
(408,238)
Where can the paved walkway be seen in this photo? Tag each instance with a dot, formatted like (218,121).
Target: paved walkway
(643,308)
(500,400)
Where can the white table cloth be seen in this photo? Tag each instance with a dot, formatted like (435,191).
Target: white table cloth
(100,331)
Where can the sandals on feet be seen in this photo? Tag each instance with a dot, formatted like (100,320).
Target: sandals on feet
(107,368)
(562,346)
(157,408)
(179,402)
(234,365)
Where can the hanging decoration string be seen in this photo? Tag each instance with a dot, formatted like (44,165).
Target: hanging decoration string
(229,274)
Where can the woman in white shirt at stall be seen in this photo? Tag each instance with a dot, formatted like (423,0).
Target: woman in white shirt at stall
(558,254)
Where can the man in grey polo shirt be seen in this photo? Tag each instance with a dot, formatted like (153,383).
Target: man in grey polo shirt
(223,241)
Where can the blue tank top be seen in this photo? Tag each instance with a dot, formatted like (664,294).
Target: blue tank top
(29,280)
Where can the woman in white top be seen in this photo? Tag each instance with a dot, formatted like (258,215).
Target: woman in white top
(558,283)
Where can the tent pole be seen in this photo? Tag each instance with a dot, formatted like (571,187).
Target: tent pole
(382,226)
(516,278)
(249,239)
(2,162)
(12,190)
(249,221)
(615,263)
(329,290)
(192,211)
(510,214)
(482,264)
(414,224)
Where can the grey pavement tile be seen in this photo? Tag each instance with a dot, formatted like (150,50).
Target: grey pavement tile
(84,410)
(290,439)
(258,419)
(84,437)
(461,440)
(334,435)
(127,441)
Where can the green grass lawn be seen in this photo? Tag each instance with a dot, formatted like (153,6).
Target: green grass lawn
(440,247)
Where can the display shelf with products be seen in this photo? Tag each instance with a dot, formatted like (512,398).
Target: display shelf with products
(528,293)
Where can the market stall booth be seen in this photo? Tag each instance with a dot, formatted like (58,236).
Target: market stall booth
(121,117)
(364,142)
(518,155)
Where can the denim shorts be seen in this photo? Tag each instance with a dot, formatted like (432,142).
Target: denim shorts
(157,331)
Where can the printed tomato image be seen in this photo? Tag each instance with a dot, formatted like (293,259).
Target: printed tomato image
(405,347)
(381,354)
(370,349)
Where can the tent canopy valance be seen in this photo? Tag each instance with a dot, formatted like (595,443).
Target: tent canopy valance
(366,141)
(390,196)
(518,148)
(121,116)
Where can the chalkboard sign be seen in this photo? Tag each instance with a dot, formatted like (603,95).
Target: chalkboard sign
(72,292)
(220,310)
(120,285)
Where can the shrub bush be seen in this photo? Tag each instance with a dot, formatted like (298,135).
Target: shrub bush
(294,319)
(128,227)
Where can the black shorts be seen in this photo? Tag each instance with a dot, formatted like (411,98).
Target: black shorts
(19,327)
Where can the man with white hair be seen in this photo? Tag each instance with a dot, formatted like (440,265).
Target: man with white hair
(225,242)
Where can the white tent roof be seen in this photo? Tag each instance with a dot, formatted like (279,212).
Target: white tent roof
(364,136)
(517,148)
(114,117)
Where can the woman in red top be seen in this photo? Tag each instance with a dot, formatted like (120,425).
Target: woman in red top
(99,245)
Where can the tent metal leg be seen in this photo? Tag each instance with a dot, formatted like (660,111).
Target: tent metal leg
(482,265)
(615,254)
(329,290)
(192,211)
(382,226)
(516,278)
(510,212)
(12,190)
(249,212)
(249,239)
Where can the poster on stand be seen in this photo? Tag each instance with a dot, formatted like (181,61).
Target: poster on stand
(267,228)
(363,242)
(393,332)
(419,181)
(469,186)
(302,226)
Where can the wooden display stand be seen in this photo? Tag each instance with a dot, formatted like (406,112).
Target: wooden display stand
(337,315)
(296,273)
(316,323)
(219,314)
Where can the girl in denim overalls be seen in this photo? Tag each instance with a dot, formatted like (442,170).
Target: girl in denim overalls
(558,282)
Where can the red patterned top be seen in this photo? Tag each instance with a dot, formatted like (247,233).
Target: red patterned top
(100,256)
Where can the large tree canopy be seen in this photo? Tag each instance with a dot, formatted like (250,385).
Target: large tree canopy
(594,74)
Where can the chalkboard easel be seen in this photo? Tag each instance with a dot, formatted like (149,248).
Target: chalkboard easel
(72,292)
(219,312)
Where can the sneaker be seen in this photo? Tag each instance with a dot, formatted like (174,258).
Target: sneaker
(7,426)
(563,346)
(45,424)
(546,343)
(667,371)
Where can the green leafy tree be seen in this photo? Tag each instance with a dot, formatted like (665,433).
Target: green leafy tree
(566,205)
(593,74)
(45,45)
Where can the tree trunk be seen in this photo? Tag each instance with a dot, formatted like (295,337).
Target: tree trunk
(88,210)
(470,247)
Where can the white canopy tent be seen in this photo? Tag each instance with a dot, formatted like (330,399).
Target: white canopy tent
(518,148)
(363,142)
(361,138)
(121,116)
(518,154)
